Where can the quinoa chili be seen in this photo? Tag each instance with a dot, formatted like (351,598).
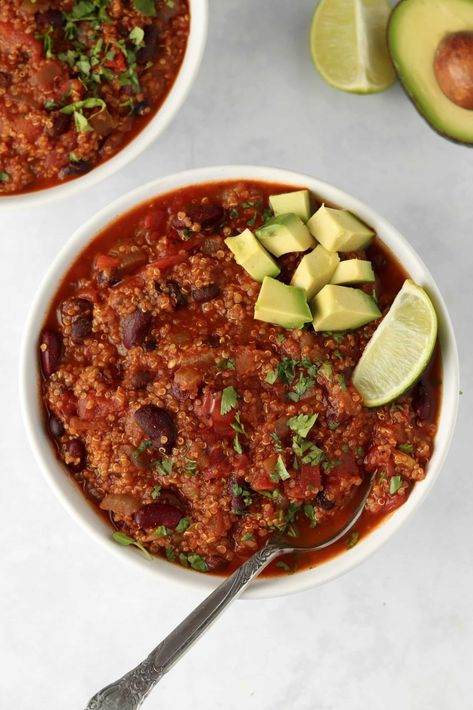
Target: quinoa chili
(198,430)
(78,80)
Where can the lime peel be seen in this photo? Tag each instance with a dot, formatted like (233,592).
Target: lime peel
(399,349)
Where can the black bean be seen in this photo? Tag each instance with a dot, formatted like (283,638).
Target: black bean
(141,108)
(176,294)
(207,215)
(150,51)
(205,293)
(324,502)
(135,328)
(150,345)
(54,18)
(60,124)
(75,450)
(56,427)
(51,351)
(423,400)
(79,167)
(158,426)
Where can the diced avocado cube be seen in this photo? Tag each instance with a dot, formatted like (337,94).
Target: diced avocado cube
(285,233)
(297,202)
(282,305)
(342,308)
(353,271)
(315,270)
(339,230)
(252,256)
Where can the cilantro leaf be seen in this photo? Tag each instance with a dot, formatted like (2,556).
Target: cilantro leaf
(394,484)
(309,513)
(280,470)
(126,540)
(182,525)
(226,363)
(406,448)
(146,7)
(229,400)
(352,540)
(197,562)
(302,423)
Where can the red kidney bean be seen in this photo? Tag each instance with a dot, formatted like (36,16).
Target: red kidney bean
(158,426)
(135,328)
(78,168)
(75,450)
(60,124)
(150,51)
(207,215)
(205,293)
(324,502)
(423,399)
(55,18)
(155,514)
(51,351)
(56,427)
(140,379)
(81,327)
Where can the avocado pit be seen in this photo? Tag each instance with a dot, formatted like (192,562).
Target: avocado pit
(453,68)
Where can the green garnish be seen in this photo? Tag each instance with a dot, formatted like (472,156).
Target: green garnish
(237,444)
(197,563)
(226,363)
(76,108)
(284,566)
(394,484)
(333,425)
(164,466)
(309,513)
(162,531)
(229,400)
(281,338)
(342,383)
(277,442)
(280,471)
(170,554)
(73,157)
(137,36)
(360,451)
(146,7)
(47,42)
(302,423)
(244,493)
(4,177)
(155,492)
(147,444)
(326,370)
(247,536)
(352,540)
(271,377)
(406,448)
(125,540)
(182,525)
(191,467)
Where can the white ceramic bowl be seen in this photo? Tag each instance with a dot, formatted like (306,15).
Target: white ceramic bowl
(67,490)
(154,128)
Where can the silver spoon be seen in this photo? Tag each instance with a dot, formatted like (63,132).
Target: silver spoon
(130,691)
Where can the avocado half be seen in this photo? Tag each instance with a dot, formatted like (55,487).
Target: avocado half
(415,31)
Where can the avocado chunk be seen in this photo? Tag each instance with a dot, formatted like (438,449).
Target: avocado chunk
(297,202)
(285,233)
(434,61)
(282,305)
(353,271)
(339,230)
(315,270)
(252,256)
(342,308)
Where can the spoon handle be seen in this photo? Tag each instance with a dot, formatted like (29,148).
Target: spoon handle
(129,692)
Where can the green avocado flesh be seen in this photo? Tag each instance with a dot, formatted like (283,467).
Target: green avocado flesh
(282,305)
(254,258)
(353,271)
(342,308)
(285,233)
(415,31)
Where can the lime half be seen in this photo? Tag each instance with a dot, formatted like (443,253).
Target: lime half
(348,45)
(400,348)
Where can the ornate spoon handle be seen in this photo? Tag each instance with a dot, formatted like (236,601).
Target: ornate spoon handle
(129,692)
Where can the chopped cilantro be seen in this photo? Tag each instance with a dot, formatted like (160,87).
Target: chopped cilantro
(277,442)
(247,536)
(125,540)
(309,513)
(352,540)
(244,493)
(146,7)
(170,554)
(73,157)
(333,425)
(284,566)
(406,448)
(197,562)
(238,426)
(137,36)
(164,466)
(191,467)
(233,213)
(183,559)
(226,363)
(147,444)
(155,492)
(302,423)
(394,484)
(280,471)
(271,377)
(360,451)
(237,444)
(4,177)
(182,525)
(326,370)
(281,338)
(342,383)
(229,400)
(162,531)
(328,465)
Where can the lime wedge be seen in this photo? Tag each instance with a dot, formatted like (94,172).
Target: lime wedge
(399,349)
(348,45)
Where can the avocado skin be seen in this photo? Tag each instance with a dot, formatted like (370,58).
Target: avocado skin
(409,94)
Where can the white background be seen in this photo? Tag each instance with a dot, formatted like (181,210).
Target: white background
(396,632)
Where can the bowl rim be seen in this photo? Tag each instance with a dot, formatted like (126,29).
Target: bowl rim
(68,491)
(156,125)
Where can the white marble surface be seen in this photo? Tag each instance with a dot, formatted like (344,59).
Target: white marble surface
(395,633)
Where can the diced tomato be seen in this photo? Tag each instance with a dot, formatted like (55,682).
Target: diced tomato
(104,262)
(155,220)
(381,458)
(118,63)
(11,37)
(304,484)
(165,262)
(91,407)
(209,412)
